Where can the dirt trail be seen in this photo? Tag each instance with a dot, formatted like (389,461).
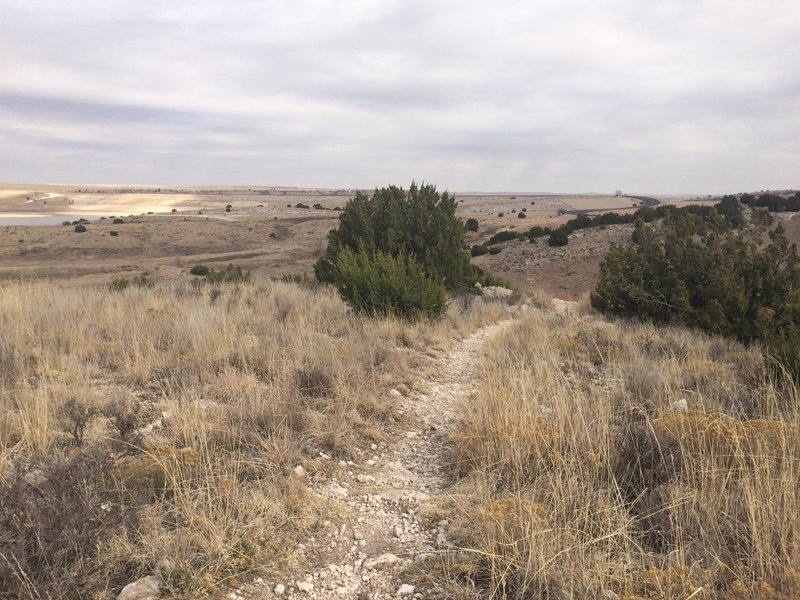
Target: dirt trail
(383,532)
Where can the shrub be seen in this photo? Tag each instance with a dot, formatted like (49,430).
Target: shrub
(494,250)
(76,413)
(117,221)
(499,214)
(301,205)
(113,233)
(478,250)
(418,223)
(318,206)
(230,274)
(80,228)
(558,237)
(537,231)
(688,271)
(122,283)
(521,214)
(55,516)
(471,225)
(503,236)
(200,270)
(66,222)
(383,284)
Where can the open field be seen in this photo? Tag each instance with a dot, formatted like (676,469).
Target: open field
(263,232)
(233,442)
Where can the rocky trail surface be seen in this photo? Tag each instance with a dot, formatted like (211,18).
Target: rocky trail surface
(382,531)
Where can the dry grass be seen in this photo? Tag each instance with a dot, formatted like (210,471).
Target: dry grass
(182,414)
(576,479)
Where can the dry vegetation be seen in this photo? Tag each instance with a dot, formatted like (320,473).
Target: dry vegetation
(157,429)
(577,477)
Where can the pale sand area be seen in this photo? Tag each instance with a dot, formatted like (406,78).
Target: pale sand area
(124,204)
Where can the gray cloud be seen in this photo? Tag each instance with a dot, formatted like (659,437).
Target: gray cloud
(573,95)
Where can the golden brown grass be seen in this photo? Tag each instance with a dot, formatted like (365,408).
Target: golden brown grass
(577,479)
(189,411)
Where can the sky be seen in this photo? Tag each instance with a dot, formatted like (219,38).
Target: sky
(654,96)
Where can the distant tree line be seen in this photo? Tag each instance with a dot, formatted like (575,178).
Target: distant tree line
(772,202)
(559,236)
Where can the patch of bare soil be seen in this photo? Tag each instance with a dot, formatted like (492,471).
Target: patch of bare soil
(566,272)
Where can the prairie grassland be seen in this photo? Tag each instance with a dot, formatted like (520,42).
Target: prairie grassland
(158,429)
(576,477)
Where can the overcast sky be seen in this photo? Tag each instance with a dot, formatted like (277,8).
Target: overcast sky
(656,96)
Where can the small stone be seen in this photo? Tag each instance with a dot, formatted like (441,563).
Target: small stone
(357,535)
(383,559)
(371,463)
(374,446)
(411,435)
(395,394)
(405,590)
(299,472)
(306,587)
(680,406)
(146,588)
(335,489)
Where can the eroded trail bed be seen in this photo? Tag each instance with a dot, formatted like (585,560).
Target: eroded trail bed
(382,531)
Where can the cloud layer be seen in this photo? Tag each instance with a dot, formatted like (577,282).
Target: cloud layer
(555,95)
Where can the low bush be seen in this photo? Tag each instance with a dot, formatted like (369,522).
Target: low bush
(80,228)
(504,236)
(200,270)
(122,283)
(230,274)
(388,285)
(558,237)
(471,225)
(478,250)
(55,515)
(117,221)
(695,270)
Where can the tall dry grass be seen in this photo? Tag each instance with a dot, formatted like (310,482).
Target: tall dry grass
(576,477)
(157,429)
